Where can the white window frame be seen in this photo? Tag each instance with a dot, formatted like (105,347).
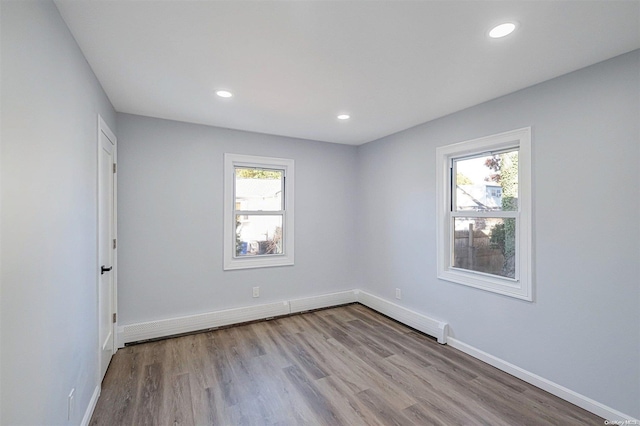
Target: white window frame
(230,260)
(522,286)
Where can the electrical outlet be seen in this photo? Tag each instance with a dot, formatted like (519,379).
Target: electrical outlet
(256,292)
(71,403)
(398,294)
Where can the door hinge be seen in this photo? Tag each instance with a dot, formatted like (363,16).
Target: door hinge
(114,317)
(115,167)
(115,244)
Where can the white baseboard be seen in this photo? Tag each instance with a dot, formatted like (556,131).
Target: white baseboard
(423,323)
(92,406)
(172,326)
(322,301)
(187,324)
(575,398)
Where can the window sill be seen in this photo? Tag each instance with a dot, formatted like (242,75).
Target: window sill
(257,262)
(504,286)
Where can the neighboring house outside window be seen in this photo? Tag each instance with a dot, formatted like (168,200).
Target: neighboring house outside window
(484,213)
(258,212)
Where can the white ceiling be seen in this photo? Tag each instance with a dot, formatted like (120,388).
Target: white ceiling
(295,65)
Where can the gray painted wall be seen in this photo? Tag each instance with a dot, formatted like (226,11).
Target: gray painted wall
(582,330)
(170,191)
(50,103)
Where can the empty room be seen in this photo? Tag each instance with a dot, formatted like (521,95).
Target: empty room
(319,212)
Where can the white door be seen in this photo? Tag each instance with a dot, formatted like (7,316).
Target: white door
(106,245)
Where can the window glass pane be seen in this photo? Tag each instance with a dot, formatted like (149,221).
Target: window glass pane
(258,235)
(258,189)
(487,183)
(485,245)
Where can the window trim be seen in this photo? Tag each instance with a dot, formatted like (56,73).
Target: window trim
(230,261)
(522,286)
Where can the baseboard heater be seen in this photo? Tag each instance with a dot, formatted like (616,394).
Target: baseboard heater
(187,324)
(427,325)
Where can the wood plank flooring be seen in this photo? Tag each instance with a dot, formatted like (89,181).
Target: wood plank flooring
(340,366)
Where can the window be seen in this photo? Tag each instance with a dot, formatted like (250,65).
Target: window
(258,211)
(484,213)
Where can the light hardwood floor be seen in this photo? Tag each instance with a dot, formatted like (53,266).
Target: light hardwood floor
(341,366)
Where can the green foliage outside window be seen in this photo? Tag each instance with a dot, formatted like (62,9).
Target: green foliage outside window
(504,235)
(258,173)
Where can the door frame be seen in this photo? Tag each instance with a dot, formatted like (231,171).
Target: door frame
(104,128)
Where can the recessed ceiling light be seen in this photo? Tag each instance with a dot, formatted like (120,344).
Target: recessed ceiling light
(502,30)
(344,117)
(224,93)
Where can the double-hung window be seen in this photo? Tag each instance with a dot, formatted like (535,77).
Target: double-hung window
(484,213)
(258,211)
